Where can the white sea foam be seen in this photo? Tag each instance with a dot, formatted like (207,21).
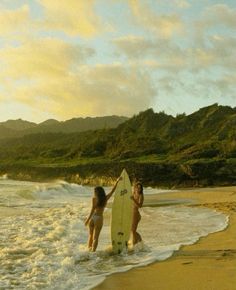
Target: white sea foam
(3,177)
(46,248)
(154,190)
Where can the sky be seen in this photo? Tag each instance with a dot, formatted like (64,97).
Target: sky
(78,58)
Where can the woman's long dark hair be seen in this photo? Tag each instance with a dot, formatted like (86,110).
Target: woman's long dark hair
(140,184)
(101,196)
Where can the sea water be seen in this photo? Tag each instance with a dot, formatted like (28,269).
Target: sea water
(43,237)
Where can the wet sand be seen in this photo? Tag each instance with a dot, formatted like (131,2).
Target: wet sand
(210,264)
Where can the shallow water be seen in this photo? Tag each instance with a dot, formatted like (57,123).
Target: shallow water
(44,246)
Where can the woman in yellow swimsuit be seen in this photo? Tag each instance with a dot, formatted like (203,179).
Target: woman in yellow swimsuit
(95,218)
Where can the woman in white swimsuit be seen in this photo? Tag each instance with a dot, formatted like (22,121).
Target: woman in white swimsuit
(138,199)
(95,218)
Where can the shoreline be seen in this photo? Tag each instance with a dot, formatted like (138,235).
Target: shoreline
(109,181)
(210,263)
(162,173)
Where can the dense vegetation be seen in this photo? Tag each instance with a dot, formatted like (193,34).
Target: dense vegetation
(198,149)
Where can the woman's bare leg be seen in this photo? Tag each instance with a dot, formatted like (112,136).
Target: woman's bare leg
(97,229)
(136,236)
(91,233)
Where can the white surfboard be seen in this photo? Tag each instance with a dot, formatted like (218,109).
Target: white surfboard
(121,219)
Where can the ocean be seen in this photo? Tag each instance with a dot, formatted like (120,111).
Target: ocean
(43,237)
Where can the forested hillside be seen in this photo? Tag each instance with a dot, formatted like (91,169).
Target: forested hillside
(199,148)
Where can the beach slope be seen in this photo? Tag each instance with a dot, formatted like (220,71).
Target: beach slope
(209,264)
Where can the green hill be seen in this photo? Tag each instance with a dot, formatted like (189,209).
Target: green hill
(7,132)
(18,125)
(14,128)
(197,149)
(20,128)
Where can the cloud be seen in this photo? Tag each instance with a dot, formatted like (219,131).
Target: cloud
(167,55)
(220,86)
(219,15)
(218,54)
(113,88)
(182,4)
(196,72)
(42,58)
(14,20)
(156,52)
(96,90)
(52,76)
(162,59)
(214,41)
(165,25)
(212,47)
(224,51)
(73,17)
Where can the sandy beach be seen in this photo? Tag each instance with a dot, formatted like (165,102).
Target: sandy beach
(210,264)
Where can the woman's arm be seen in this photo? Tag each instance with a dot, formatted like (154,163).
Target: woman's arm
(139,203)
(91,212)
(114,188)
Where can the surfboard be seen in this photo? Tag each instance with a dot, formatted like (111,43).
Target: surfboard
(121,218)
